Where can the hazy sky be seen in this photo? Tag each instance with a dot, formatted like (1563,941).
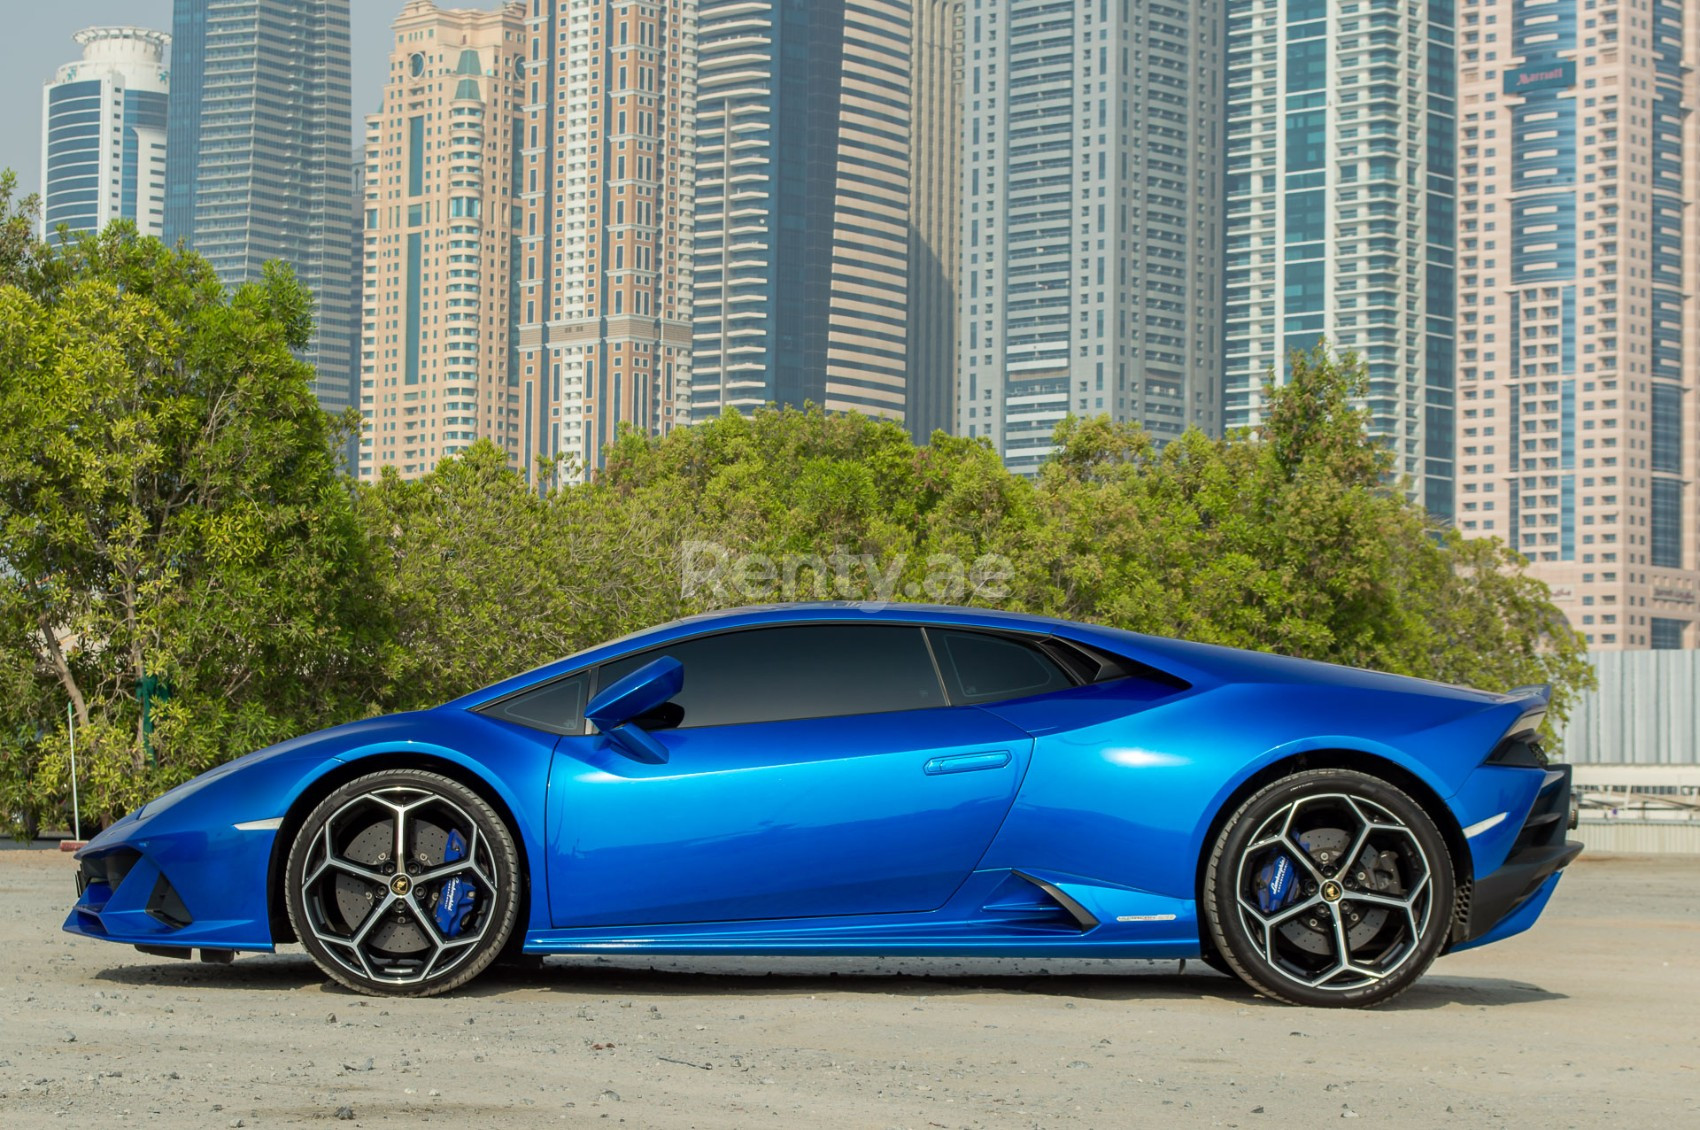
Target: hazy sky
(35,39)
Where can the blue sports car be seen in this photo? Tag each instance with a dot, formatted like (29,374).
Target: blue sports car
(871,779)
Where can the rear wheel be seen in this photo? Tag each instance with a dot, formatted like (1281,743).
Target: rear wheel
(403,883)
(1329,888)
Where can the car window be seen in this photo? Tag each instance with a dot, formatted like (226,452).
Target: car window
(794,671)
(979,668)
(556,707)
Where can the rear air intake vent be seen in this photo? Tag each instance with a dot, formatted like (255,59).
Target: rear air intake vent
(1521,749)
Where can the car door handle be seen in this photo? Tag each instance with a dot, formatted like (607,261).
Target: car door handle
(967,762)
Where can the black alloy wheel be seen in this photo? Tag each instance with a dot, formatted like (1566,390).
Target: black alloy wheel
(1329,888)
(403,883)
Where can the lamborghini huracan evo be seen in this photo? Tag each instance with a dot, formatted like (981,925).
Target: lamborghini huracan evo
(836,779)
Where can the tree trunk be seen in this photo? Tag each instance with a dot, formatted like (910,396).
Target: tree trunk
(61,668)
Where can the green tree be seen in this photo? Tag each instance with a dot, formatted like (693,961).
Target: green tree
(1295,538)
(800,489)
(485,576)
(171,515)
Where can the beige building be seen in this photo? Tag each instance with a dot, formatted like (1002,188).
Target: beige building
(1578,328)
(604,178)
(437,351)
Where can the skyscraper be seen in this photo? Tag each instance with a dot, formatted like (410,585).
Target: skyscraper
(103,133)
(258,154)
(1092,231)
(1579,345)
(802,205)
(437,368)
(935,216)
(603,272)
(1340,211)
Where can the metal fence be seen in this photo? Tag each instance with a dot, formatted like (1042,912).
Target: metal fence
(1645,712)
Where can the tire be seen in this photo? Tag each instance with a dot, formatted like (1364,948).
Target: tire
(1316,930)
(380,925)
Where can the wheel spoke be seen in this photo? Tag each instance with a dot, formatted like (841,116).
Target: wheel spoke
(1276,918)
(1375,899)
(400,853)
(373,917)
(447,870)
(1350,860)
(1342,956)
(1302,858)
(359,871)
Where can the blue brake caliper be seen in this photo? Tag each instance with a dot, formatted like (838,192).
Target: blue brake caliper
(1277,884)
(455,899)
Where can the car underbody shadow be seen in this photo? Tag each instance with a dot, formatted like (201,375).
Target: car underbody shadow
(670,976)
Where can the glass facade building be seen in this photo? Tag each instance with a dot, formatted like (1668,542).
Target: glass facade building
(259,155)
(1578,263)
(935,217)
(1092,222)
(104,133)
(1341,200)
(803,201)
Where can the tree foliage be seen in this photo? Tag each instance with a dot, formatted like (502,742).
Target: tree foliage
(485,576)
(172,517)
(1293,539)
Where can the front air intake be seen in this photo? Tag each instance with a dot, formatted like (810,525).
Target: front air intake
(107,870)
(167,906)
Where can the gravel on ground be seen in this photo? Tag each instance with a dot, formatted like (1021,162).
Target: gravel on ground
(1592,1018)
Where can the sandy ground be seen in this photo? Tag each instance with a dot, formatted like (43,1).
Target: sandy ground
(1591,1019)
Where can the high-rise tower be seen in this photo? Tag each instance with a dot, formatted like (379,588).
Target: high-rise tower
(1091,244)
(1340,211)
(1579,345)
(802,205)
(103,133)
(258,155)
(437,369)
(935,216)
(602,285)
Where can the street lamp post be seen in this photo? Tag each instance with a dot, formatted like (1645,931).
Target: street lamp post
(76,810)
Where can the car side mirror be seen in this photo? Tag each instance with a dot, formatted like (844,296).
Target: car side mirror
(614,709)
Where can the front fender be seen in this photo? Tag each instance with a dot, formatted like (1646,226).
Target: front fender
(215,839)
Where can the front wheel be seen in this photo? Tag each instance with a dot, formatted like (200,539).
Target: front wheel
(403,883)
(1329,888)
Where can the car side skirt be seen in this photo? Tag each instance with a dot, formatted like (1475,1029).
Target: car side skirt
(996,913)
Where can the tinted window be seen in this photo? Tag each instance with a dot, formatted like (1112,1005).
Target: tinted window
(800,671)
(981,668)
(556,707)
